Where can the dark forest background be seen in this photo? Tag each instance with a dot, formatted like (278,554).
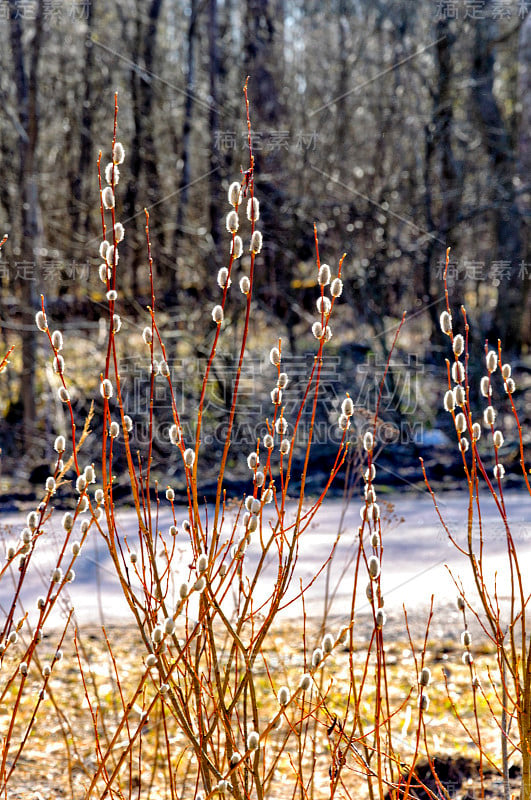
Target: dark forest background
(400,127)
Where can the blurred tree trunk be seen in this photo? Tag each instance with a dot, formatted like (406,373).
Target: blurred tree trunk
(263,59)
(143,152)
(25,77)
(184,183)
(441,170)
(508,320)
(524,165)
(80,206)
(215,207)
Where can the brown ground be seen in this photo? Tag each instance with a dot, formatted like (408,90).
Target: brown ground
(42,768)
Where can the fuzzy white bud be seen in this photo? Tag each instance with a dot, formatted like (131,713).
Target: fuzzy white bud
(380,618)
(57,340)
(268,441)
(104,273)
(497,438)
(252,523)
(323,305)
(458,372)
(235,193)
(118,153)
(484,385)
(106,389)
(283,696)
(343,422)
(347,407)
(317,330)
(336,287)
(374,567)
(449,401)
(58,364)
(157,635)
(460,423)
(202,563)
(489,415)
(63,394)
(491,360)
(446,322)
(26,535)
(223,276)
(89,474)
(68,521)
(425,676)
(169,626)
(256,242)
(458,345)
(59,444)
(217,315)
(253,740)
(253,209)
(189,457)
(32,520)
(499,471)
(175,435)
(232,222)
(252,460)
(274,356)
(236,247)
(324,275)
(40,321)
(147,335)
(57,575)
(268,496)
(276,396)
(305,682)
(460,396)
(285,447)
(112,173)
(368,441)
(107,197)
(281,426)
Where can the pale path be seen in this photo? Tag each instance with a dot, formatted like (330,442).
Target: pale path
(413,566)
